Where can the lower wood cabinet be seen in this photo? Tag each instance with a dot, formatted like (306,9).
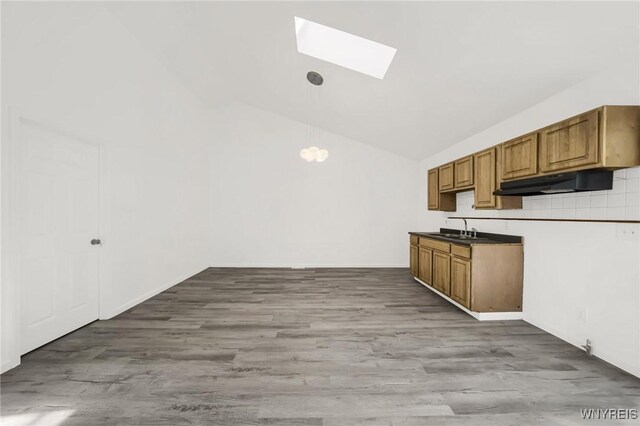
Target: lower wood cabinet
(413,259)
(442,272)
(461,281)
(480,277)
(425,265)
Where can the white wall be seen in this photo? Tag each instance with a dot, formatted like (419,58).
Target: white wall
(582,280)
(74,67)
(271,208)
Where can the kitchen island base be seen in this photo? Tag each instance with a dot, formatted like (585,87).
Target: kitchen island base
(481,274)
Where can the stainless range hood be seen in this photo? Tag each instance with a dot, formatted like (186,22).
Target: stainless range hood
(584,180)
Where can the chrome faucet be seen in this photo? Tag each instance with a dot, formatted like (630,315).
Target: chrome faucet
(465,232)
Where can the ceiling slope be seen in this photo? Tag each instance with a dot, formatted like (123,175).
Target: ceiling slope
(460,66)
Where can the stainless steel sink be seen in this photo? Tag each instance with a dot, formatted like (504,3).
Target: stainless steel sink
(460,237)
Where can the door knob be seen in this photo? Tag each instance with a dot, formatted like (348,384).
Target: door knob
(96,242)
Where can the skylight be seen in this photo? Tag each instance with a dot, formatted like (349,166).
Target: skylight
(344,49)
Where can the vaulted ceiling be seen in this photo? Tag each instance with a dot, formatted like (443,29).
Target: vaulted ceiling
(460,67)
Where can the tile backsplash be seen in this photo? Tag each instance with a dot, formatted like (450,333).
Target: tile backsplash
(620,203)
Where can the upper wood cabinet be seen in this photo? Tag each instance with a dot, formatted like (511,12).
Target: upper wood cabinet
(433,191)
(437,200)
(503,203)
(570,144)
(520,157)
(461,281)
(607,137)
(463,172)
(487,170)
(485,178)
(620,136)
(445,177)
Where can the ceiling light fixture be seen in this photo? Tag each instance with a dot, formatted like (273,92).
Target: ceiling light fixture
(315,78)
(314,154)
(344,49)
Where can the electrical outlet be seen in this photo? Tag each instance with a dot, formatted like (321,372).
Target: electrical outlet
(627,231)
(584,314)
(581,314)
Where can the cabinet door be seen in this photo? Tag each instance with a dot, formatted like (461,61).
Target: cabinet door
(445,177)
(433,191)
(413,260)
(425,265)
(520,157)
(463,172)
(504,202)
(441,272)
(485,177)
(461,281)
(570,144)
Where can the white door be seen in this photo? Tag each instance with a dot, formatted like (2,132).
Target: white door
(58,205)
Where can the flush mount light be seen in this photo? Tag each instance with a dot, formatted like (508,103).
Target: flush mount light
(314,154)
(344,49)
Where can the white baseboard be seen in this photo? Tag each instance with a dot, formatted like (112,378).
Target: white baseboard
(130,304)
(480,316)
(498,316)
(598,352)
(9,364)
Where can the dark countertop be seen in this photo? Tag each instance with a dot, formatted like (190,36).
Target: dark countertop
(483,237)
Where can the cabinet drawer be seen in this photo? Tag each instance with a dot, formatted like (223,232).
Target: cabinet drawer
(414,239)
(435,244)
(461,251)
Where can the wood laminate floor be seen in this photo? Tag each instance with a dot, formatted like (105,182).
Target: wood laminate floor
(308,347)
